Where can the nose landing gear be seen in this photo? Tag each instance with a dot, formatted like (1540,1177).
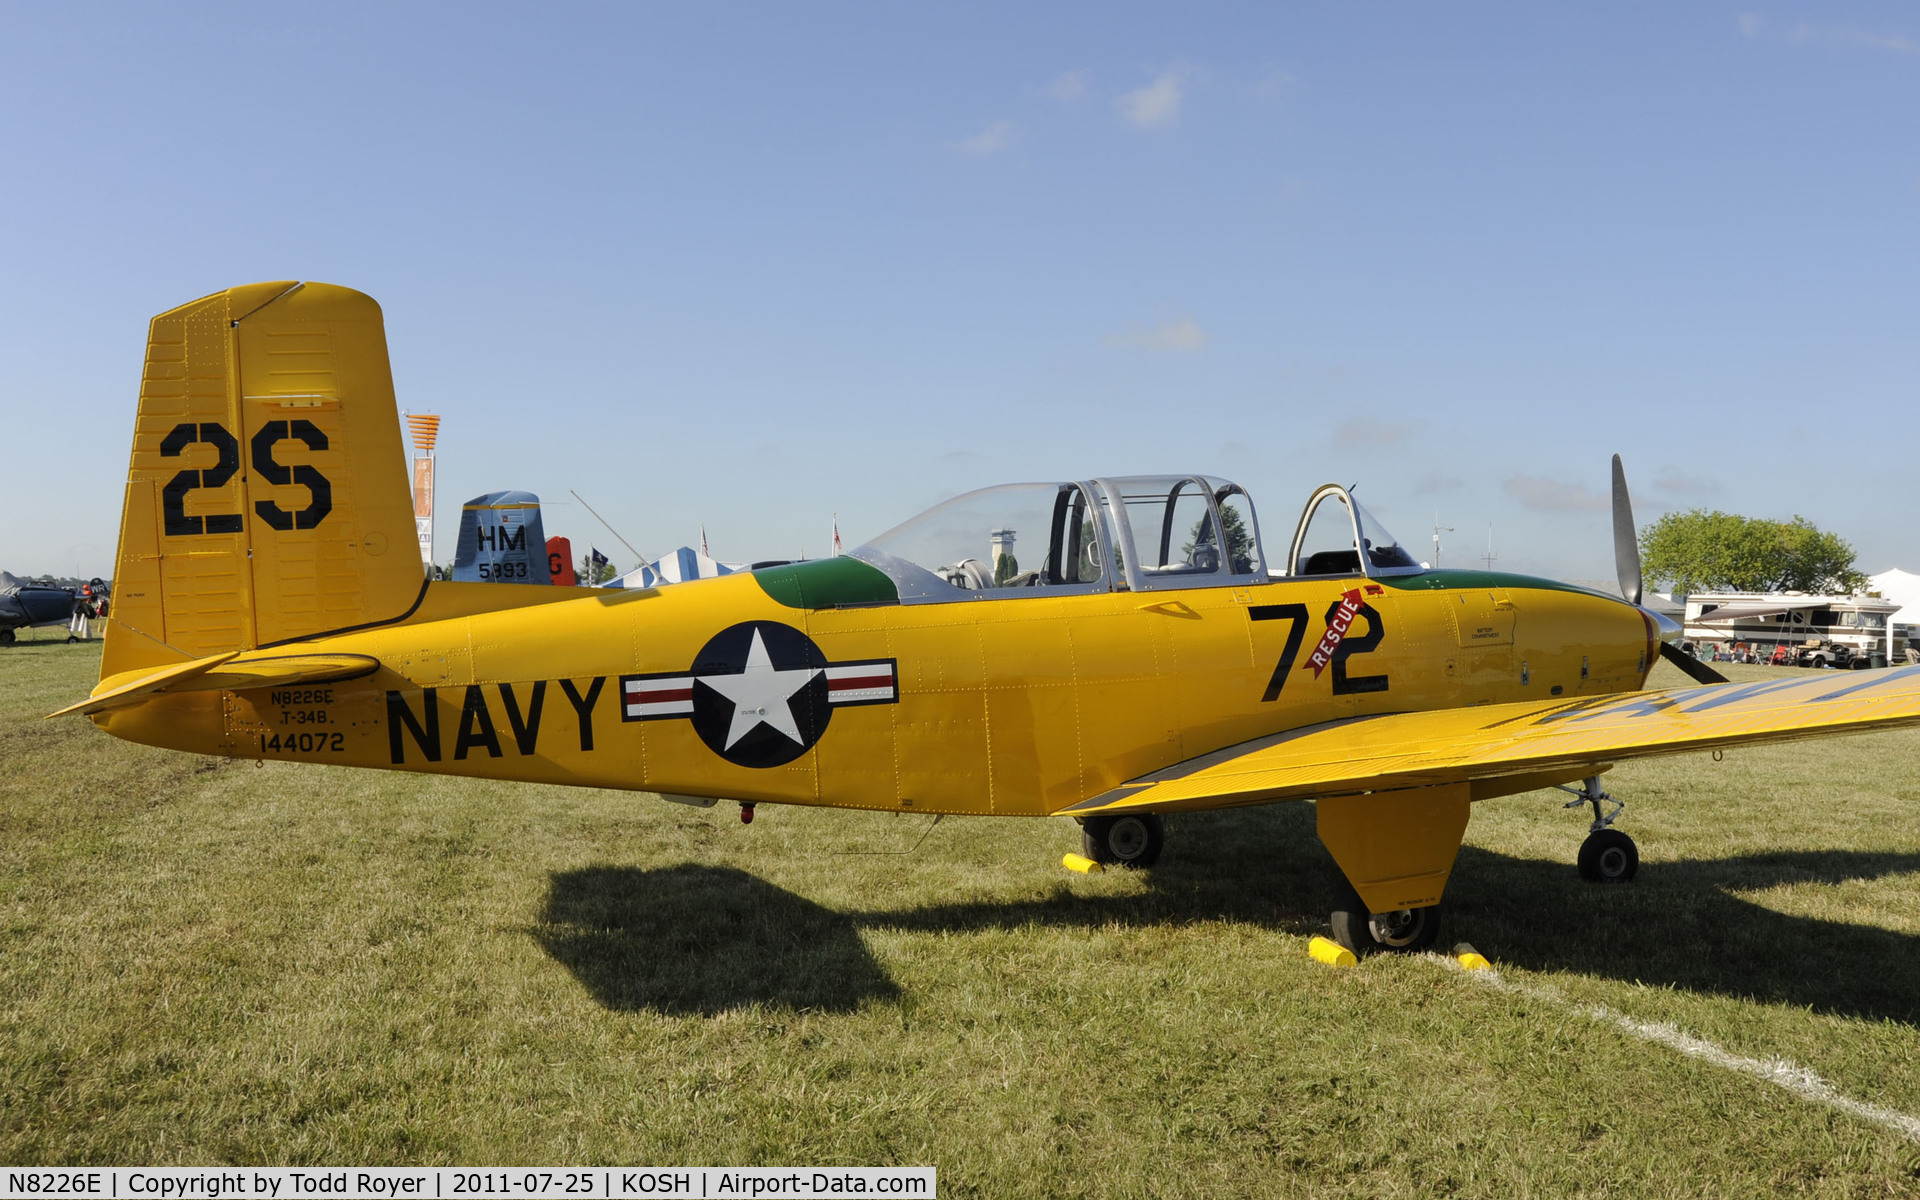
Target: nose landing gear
(1608,855)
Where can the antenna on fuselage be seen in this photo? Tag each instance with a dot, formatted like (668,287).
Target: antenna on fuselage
(639,557)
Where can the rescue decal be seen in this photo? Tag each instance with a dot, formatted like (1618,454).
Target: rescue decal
(1338,622)
(1338,644)
(760,693)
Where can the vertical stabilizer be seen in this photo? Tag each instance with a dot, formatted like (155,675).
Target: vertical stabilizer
(502,540)
(267,497)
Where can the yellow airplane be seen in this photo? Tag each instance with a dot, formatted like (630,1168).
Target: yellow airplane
(1109,650)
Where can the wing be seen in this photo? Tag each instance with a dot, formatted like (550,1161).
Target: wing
(1504,748)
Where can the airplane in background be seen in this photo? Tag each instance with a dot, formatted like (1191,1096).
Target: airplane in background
(502,540)
(1109,650)
(24,605)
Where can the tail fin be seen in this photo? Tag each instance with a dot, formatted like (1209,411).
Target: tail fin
(267,499)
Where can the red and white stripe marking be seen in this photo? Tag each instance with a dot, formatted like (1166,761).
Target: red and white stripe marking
(861,683)
(669,697)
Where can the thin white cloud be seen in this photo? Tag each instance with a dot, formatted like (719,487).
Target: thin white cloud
(1157,105)
(1067,87)
(1271,86)
(1434,484)
(1803,33)
(993,137)
(1181,335)
(1673,479)
(1364,432)
(1551,495)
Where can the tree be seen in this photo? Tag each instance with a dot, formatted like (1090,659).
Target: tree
(1716,551)
(591,575)
(1004,568)
(1239,539)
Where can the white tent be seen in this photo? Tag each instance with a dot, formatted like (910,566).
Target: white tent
(681,566)
(1901,587)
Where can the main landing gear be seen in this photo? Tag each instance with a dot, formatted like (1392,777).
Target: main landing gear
(1403,931)
(1608,855)
(1132,840)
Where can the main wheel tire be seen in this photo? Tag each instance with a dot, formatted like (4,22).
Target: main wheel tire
(1364,932)
(1132,840)
(1608,856)
(6,637)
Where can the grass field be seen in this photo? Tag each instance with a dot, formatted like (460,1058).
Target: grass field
(206,961)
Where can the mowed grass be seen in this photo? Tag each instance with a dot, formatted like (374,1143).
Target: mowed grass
(206,961)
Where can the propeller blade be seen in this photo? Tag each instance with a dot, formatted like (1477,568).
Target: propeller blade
(1698,671)
(1626,539)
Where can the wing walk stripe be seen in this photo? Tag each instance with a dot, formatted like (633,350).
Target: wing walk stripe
(1902,673)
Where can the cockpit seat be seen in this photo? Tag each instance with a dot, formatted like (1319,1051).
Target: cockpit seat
(1333,562)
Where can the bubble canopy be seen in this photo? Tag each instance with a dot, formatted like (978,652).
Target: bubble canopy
(1120,534)
(1124,533)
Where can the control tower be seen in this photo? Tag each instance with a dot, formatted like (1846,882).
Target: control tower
(1003,549)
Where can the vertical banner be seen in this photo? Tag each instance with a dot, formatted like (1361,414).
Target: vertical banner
(425,428)
(423,506)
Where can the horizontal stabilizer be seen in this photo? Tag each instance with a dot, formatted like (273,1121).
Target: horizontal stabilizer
(225,672)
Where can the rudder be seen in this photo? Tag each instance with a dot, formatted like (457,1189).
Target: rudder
(267,496)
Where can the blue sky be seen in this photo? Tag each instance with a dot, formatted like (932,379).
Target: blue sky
(749,266)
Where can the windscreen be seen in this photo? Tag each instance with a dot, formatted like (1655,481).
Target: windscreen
(1383,549)
(1019,535)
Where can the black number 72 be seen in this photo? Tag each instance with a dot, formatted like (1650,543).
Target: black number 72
(1343,685)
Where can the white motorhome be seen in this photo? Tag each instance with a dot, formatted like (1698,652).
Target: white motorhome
(1819,631)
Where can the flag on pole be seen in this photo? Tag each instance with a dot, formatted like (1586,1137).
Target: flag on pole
(598,560)
(836,535)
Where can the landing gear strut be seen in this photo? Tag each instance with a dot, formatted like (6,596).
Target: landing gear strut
(1608,855)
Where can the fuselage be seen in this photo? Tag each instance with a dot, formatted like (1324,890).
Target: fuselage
(1017,705)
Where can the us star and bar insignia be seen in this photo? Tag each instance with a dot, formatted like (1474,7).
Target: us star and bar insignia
(759,693)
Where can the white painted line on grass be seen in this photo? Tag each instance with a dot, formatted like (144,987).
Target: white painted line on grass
(1778,1071)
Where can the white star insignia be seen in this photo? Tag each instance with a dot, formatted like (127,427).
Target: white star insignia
(760,694)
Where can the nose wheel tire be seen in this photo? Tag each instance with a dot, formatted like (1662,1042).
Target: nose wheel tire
(1402,931)
(1608,856)
(1133,840)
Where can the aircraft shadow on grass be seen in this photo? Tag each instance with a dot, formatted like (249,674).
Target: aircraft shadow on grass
(704,939)
(695,939)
